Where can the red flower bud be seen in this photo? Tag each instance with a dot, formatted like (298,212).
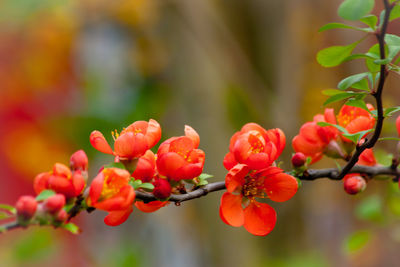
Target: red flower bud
(54,203)
(298,159)
(162,188)
(61,216)
(26,207)
(353,184)
(79,161)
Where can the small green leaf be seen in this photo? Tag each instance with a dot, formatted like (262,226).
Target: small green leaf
(355,9)
(389,111)
(393,42)
(356,137)
(374,53)
(342,96)
(8,208)
(118,165)
(340,128)
(389,139)
(331,92)
(370,20)
(205,176)
(335,55)
(358,103)
(73,228)
(135,183)
(336,25)
(4,215)
(45,194)
(349,81)
(147,186)
(395,13)
(357,241)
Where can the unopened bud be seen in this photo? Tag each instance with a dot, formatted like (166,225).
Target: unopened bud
(298,159)
(79,161)
(333,150)
(61,216)
(26,207)
(54,203)
(354,184)
(162,188)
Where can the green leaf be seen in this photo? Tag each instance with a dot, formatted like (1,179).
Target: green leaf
(135,183)
(395,13)
(73,228)
(336,25)
(358,103)
(203,179)
(373,52)
(370,20)
(331,92)
(342,96)
(370,209)
(357,56)
(389,111)
(381,61)
(349,81)
(147,186)
(357,241)
(355,9)
(393,42)
(335,55)
(8,208)
(356,137)
(4,215)
(118,165)
(340,128)
(45,194)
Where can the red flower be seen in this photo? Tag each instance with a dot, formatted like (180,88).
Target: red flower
(178,157)
(61,180)
(162,188)
(367,158)
(239,206)
(398,125)
(145,168)
(110,191)
(132,142)
(26,207)
(355,119)
(79,161)
(314,139)
(54,203)
(255,147)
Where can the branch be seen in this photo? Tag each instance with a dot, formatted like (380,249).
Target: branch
(309,175)
(9,226)
(380,35)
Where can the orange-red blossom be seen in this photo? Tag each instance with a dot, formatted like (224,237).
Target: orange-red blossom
(179,158)
(255,147)
(132,142)
(239,206)
(61,180)
(110,191)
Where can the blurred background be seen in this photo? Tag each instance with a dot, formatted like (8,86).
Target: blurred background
(69,67)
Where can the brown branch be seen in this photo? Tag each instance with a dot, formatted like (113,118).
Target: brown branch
(377,94)
(309,175)
(9,226)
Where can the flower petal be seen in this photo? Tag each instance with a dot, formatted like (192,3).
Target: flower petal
(193,135)
(235,177)
(229,161)
(169,163)
(153,133)
(130,145)
(230,210)
(259,218)
(280,187)
(115,218)
(100,143)
(151,206)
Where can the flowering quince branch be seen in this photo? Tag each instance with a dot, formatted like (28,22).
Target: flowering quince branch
(139,178)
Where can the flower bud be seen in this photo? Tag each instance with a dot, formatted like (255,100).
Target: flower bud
(354,184)
(61,216)
(298,159)
(162,188)
(54,203)
(26,207)
(79,161)
(333,150)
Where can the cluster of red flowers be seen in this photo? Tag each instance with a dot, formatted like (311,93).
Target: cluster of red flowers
(252,175)
(177,159)
(314,141)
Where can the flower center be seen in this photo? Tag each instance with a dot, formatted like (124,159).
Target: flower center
(111,187)
(345,119)
(253,188)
